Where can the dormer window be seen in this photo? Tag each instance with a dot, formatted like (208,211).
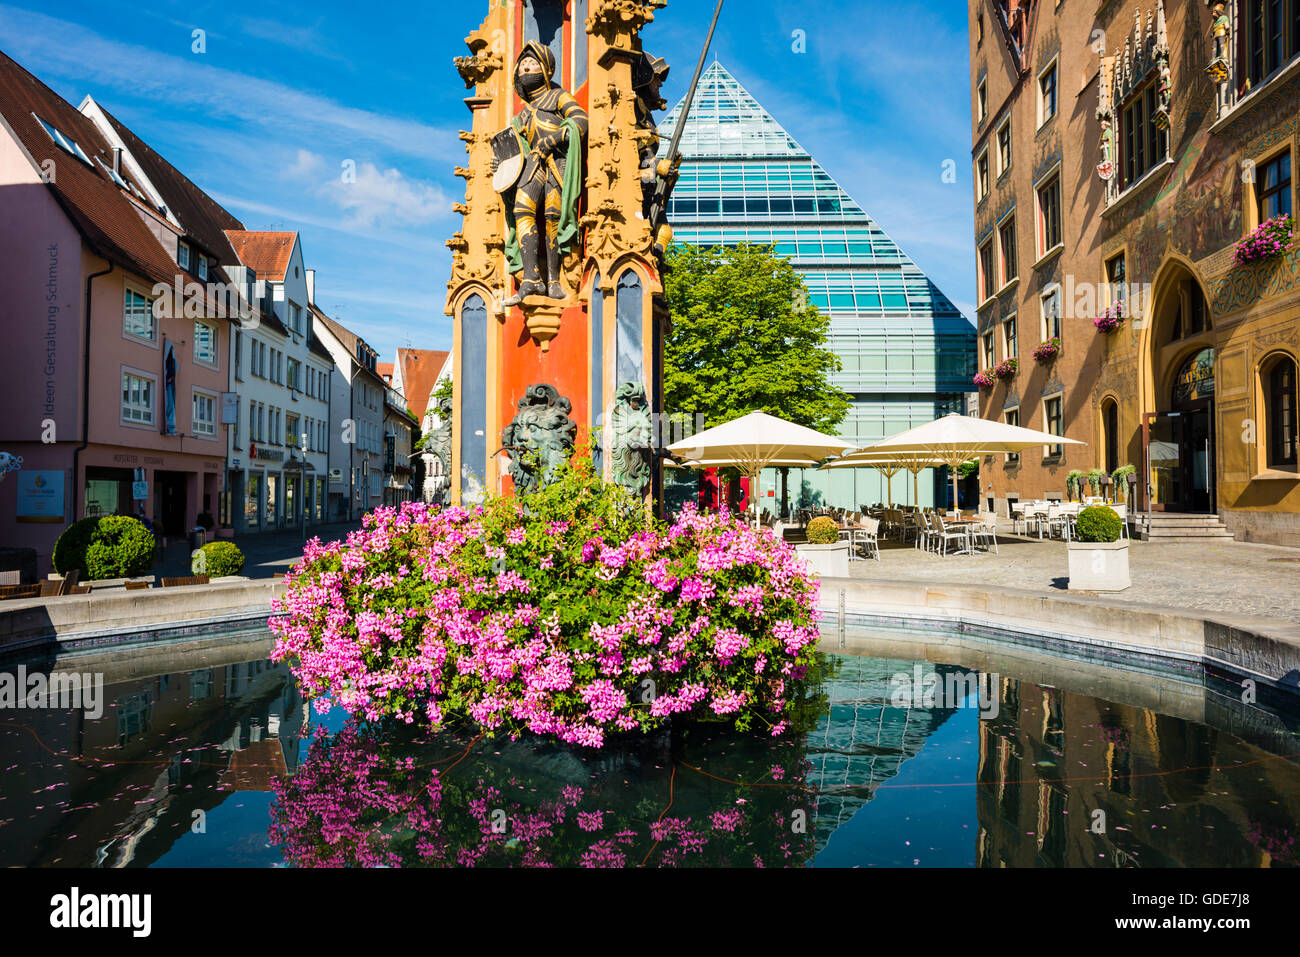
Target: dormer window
(183,256)
(112,174)
(203,268)
(63,141)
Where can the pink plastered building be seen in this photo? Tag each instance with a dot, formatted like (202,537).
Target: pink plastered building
(110,380)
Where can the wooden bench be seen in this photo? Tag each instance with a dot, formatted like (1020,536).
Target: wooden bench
(10,592)
(187,580)
(134,586)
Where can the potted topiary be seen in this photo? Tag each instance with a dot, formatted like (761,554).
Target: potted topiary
(217,560)
(824,553)
(1098,556)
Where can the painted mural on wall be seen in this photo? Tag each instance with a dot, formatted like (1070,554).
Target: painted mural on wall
(1198,211)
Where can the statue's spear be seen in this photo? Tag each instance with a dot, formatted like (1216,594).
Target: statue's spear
(667,170)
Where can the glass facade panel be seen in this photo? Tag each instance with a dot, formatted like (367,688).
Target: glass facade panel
(907,352)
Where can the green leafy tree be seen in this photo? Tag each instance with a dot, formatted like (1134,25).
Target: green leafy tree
(744,339)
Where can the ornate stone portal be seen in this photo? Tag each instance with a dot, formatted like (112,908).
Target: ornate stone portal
(555,289)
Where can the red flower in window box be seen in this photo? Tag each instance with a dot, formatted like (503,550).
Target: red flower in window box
(1048,350)
(1006,368)
(1269,239)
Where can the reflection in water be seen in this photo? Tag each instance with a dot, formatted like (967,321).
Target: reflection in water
(182,740)
(1068,780)
(168,749)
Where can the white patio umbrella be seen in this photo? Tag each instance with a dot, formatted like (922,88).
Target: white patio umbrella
(754,442)
(889,465)
(956,438)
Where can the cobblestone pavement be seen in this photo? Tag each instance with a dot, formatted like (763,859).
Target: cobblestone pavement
(1224,576)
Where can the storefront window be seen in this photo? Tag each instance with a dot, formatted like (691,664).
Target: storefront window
(320,499)
(272,490)
(252,514)
(291,499)
(108,492)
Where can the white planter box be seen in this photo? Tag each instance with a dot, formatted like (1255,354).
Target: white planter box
(827,561)
(1099,566)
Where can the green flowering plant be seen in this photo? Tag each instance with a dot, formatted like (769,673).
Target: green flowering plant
(567,611)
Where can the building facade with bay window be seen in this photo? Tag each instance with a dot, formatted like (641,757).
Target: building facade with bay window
(1122,153)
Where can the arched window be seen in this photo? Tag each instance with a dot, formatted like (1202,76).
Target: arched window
(1110,428)
(628,307)
(1279,379)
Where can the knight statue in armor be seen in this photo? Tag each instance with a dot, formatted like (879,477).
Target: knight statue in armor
(543,217)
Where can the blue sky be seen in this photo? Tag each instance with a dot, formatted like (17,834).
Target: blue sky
(287,92)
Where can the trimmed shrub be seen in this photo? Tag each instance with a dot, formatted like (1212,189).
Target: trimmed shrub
(70,549)
(822,531)
(206,521)
(115,546)
(216,559)
(1098,523)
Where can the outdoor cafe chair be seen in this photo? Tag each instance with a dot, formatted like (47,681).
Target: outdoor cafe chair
(1122,511)
(1038,514)
(868,534)
(987,530)
(1019,517)
(8,592)
(944,534)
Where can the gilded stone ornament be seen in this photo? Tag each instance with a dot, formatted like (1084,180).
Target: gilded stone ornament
(479,67)
(649,73)
(618,22)
(540,438)
(631,440)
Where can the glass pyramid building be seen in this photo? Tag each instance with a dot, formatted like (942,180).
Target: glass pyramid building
(907,353)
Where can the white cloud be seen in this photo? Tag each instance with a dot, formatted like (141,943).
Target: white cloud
(374,197)
(49,45)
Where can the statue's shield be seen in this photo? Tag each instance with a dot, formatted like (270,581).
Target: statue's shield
(510,159)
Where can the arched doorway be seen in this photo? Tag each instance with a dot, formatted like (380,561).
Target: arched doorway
(1178,438)
(1110,435)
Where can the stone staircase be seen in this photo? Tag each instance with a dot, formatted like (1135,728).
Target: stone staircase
(1179,526)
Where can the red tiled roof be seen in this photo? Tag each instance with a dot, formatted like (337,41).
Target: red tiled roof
(420,370)
(203,219)
(266,253)
(385,370)
(111,224)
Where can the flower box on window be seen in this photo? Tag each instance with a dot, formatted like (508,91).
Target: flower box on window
(985,379)
(1006,368)
(1111,318)
(1268,240)
(1048,350)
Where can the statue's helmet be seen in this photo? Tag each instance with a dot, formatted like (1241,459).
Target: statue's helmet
(546,58)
